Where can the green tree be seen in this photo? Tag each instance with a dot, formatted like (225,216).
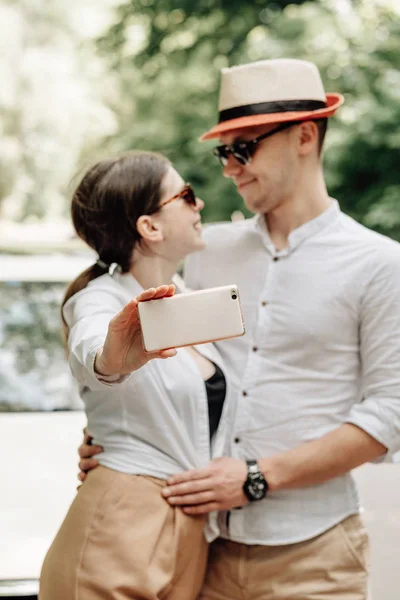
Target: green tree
(52,103)
(168,55)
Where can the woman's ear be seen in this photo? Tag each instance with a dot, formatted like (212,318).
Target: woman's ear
(149,229)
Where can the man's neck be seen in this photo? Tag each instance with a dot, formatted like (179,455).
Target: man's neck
(307,204)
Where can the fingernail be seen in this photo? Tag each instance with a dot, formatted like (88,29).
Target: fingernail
(165,492)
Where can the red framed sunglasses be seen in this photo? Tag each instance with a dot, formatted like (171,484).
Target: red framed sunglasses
(187,194)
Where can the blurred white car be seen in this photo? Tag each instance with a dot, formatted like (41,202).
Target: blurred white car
(41,417)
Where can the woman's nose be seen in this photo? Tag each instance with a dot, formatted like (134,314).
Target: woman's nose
(199,204)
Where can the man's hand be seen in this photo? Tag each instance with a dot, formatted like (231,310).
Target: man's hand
(86,452)
(219,486)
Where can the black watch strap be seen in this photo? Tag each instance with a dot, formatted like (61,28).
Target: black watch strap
(252,466)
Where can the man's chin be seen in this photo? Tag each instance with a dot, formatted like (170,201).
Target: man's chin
(254,205)
(251,196)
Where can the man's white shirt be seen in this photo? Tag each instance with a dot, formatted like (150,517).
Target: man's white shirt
(322,347)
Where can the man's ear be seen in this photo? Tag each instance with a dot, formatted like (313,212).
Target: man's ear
(149,229)
(308,137)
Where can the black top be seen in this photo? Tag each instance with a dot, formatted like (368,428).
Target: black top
(216,390)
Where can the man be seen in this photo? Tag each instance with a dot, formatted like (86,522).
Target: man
(317,374)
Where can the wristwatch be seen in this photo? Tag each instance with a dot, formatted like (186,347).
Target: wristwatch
(255,487)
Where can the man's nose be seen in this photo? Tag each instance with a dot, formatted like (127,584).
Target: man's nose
(233,168)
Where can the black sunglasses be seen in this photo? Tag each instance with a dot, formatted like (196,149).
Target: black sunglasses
(243,151)
(186,194)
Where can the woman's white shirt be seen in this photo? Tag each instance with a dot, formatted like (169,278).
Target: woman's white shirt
(155,420)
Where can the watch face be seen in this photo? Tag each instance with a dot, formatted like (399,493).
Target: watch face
(255,486)
(257,489)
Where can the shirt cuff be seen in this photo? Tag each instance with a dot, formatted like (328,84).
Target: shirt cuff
(108,380)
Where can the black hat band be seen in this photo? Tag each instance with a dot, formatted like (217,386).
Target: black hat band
(265,108)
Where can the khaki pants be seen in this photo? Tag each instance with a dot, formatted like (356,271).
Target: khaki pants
(332,565)
(120,540)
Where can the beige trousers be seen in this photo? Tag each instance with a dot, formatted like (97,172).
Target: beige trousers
(332,565)
(120,540)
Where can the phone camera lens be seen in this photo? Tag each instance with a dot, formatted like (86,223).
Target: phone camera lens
(234,296)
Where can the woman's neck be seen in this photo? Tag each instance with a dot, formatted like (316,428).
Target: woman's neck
(152,271)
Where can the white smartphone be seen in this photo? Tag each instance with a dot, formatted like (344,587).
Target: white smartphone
(191,318)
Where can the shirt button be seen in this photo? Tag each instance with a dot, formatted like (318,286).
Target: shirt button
(255,348)
(237,440)
(244,393)
(276,258)
(264,303)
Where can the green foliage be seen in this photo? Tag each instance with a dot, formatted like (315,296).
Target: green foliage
(170,81)
(52,108)
(168,55)
(151,81)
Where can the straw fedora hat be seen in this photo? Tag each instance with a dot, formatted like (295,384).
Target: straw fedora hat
(271,91)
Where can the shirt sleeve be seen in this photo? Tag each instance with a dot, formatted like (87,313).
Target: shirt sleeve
(379,330)
(88,314)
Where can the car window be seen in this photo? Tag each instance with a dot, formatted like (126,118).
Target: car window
(34,372)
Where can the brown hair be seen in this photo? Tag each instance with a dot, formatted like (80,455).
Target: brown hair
(106,205)
(322,125)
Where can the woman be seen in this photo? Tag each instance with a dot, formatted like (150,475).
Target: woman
(120,538)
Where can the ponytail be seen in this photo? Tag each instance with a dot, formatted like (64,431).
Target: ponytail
(106,205)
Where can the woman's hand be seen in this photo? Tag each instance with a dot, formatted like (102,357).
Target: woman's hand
(123,350)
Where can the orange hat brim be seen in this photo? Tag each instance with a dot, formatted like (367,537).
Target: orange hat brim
(333,101)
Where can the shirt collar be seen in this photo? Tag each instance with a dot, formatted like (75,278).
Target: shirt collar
(302,233)
(130,283)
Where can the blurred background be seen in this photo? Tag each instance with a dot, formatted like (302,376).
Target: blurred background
(82,79)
